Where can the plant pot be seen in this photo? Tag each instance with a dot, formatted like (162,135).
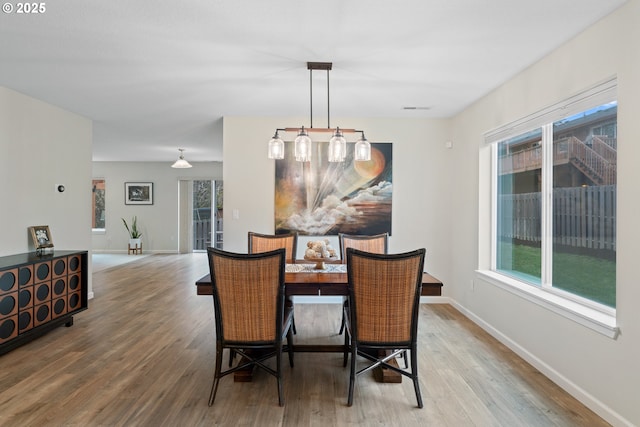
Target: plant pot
(135,243)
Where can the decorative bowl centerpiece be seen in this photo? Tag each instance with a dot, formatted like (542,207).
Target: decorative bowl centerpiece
(320,252)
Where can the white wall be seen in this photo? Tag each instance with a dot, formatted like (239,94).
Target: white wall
(602,372)
(42,145)
(159,221)
(421,189)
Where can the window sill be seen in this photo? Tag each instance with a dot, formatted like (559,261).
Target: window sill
(98,231)
(598,321)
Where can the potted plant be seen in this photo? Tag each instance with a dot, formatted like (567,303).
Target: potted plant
(134,233)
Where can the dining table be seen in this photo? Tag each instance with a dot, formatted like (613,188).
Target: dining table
(303,279)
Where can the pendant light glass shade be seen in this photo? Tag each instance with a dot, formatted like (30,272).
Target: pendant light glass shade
(276,147)
(302,146)
(362,150)
(337,147)
(181,163)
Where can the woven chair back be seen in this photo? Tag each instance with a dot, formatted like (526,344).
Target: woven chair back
(269,242)
(247,290)
(385,292)
(376,244)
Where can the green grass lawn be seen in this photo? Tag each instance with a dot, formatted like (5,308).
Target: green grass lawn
(587,276)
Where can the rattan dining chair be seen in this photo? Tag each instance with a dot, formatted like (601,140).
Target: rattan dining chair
(268,242)
(250,314)
(377,244)
(381,320)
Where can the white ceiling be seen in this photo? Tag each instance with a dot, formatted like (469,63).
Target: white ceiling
(155,75)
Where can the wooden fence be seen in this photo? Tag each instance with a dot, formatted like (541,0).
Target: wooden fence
(201,234)
(583,217)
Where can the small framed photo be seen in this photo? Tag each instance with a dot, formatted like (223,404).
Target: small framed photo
(138,193)
(41,236)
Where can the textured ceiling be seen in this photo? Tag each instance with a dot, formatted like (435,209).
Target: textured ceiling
(156,75)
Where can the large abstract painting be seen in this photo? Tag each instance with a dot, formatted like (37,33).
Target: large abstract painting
(322,198)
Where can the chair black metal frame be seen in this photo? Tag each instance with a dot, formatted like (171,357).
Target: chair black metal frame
(382,314)
(251,327)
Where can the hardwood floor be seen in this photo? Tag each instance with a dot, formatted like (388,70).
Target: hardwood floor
(142,355)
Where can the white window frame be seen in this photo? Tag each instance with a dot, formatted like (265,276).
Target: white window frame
(97,231)
(589,313)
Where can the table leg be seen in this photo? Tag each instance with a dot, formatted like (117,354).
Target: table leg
(384,375)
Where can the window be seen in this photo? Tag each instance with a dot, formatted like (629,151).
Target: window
(98,204)
(519,206)
(554,199)
(584,204)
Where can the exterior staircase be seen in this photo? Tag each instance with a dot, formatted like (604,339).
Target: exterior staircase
(596,159)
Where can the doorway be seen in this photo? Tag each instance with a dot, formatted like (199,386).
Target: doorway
(207,220)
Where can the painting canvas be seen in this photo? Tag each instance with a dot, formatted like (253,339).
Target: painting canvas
(323,198)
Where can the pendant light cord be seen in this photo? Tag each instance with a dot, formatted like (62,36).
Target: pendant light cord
(311,96)
(311,99)
(328,108)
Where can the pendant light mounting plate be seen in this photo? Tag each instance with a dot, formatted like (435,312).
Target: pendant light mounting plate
(319,66)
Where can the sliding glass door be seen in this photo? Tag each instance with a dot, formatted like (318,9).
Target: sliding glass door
(207,215)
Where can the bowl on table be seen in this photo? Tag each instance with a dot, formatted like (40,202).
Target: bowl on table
(320,261)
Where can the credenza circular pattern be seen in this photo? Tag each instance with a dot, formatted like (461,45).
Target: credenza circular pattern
(8,329)
(7,281)
(8,305)
(37,289)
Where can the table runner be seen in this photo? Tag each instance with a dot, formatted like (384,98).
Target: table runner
(310,268)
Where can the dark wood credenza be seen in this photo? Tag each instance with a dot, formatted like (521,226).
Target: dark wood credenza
(39,293)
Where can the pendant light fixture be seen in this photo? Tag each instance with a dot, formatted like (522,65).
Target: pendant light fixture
(276,147)
(337,147)
(303,142)
(181,163)
(302,146)
(362,150)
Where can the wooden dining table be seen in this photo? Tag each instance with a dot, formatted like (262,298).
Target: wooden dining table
(305,280)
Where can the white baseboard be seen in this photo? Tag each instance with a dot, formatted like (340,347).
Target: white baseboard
(570,387)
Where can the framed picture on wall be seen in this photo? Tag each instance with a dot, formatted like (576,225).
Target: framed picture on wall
(138,193)
(41,236)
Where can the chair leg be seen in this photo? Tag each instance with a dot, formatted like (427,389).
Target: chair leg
(352,374)
(346,350)
(347,338)
(289,303)
(279,372)
(342,322)
(290,345)
(414,375)
(232,355)
(403,355)
(216,375)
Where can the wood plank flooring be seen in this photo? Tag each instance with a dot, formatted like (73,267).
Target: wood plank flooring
(142,355)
